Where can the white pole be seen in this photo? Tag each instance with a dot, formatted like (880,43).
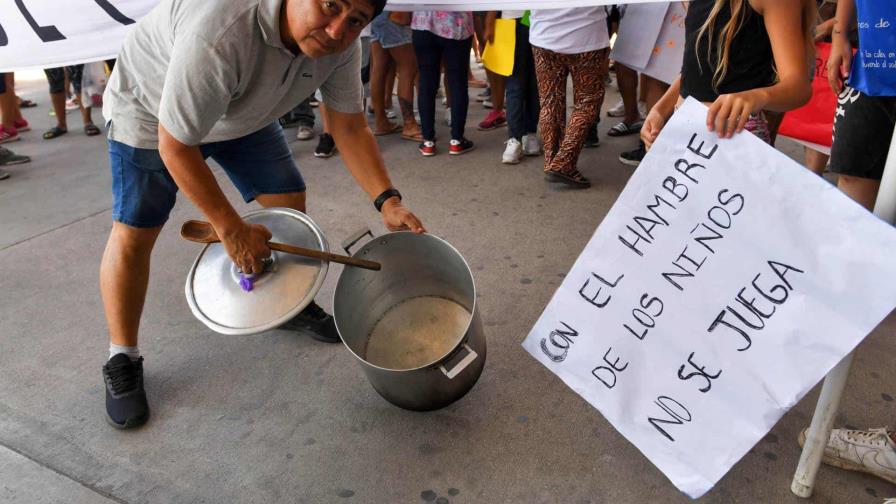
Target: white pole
(829,400)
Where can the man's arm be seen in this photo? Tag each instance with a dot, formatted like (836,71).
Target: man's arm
(245,243)
(361,155)
(840,60)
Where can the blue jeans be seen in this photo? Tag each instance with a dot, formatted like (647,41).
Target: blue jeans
(431,49)
(143,192)
(521,101)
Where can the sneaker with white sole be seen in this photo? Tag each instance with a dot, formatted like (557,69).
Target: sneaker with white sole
(305,133)
(8,157)
(617,110)
(513,152)
(427,148)
(458,147)
(872,451)
(531,146)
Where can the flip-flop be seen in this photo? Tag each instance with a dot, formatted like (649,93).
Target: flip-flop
(91,129)
(54,132)
(27,104)
(394,129)
(417,137)
(622,129)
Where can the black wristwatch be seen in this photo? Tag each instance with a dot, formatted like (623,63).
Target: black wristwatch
(388,193)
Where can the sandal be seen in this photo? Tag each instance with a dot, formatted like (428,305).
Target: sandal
(623,129)
(91,129)
(54,132)
(395,128)
(414,137)
(573,179)
(26,103)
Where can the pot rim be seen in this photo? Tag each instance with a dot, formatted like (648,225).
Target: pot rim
(459,342)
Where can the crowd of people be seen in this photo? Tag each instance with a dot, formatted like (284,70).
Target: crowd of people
(750,61)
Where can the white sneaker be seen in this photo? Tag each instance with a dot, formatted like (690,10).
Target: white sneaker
(531,145)
(871,451)
(617,110)
(305,133)
(513,152)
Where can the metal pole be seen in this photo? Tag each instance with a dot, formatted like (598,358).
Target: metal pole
(829,401)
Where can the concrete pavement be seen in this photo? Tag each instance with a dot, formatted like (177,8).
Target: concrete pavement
(279,417)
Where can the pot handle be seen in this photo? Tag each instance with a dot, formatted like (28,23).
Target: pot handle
(354,238)
(456,370)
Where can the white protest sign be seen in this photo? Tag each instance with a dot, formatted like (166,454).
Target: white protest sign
(724,283)
(658,56)
(50,33)
(53,33)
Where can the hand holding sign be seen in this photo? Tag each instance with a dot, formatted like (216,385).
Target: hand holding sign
(723,284)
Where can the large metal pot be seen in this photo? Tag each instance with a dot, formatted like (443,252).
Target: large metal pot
(413,326)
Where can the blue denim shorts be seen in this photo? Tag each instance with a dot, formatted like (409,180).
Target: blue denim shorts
(388,33)
(143,192)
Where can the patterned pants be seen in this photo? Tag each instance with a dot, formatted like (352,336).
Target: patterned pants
(561,150)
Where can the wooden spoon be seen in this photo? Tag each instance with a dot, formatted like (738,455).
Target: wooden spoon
(203,232)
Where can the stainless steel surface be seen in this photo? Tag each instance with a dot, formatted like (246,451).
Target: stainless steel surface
(285,288)
(414,266)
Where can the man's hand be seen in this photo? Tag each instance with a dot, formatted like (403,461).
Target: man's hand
(729,113)
(398,218)
(247,246)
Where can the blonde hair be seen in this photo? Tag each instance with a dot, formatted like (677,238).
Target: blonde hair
(725,37)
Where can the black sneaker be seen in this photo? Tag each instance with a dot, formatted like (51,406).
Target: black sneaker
(317,322)
(591,139)
(633,157)
(326,147)
(289,120)
(126,405)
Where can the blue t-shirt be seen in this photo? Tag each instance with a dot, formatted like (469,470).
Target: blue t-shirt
(874,65)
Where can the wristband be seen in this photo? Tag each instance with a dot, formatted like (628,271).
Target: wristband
(381,199)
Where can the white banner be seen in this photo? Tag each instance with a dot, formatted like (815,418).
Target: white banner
(725,282)
(53,33)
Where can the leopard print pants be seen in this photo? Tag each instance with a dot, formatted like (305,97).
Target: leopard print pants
(562,149)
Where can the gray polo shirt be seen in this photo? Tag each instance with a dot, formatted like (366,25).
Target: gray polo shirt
(217,70)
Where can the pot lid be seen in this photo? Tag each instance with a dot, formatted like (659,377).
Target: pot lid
(287,285)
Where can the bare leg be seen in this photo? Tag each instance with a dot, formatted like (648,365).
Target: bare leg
(653,90)
(406,61)
(496,82)
(628,88)
(390,83)
(58,100)
(816,161)
(124,275)
(8,107)
(379,65)
(862,190)
(296,201)
(323,117)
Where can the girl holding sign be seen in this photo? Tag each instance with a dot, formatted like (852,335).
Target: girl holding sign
(740,57)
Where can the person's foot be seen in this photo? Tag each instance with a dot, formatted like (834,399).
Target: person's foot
(495,119)
(305,133)
(4,175)
(513,152)
(591,139)
(54,132)
(126,405)
(458,147)
(8,157)
(326,147)
(634,156)
(318,323)
(485,95)
(314,102)
(22,125)
(8,134)
(573,179)
(427,148)
(617,110)
(72,103)
(487,103)
(531,147)
(872,451)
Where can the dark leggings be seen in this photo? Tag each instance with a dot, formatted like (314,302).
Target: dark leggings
(431,50)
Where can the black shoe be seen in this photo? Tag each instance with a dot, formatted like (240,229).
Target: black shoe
(326,147)
(633,157)
(126,405)
(317,322)
(591,140)
(289,120)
